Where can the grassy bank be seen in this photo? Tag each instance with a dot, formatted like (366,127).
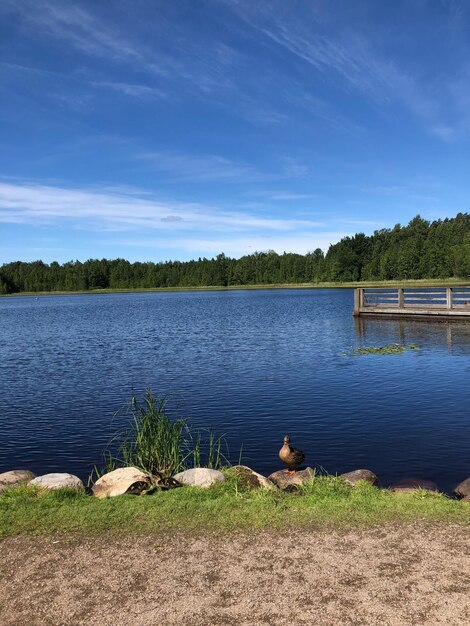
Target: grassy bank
(448,282)
(227,507)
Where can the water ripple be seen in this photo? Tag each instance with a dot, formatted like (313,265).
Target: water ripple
(252,364)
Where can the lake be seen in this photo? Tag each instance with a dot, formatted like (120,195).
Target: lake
(253,365)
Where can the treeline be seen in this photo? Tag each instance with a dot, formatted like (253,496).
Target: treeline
(422,249)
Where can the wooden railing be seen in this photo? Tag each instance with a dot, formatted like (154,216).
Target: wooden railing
(411,300)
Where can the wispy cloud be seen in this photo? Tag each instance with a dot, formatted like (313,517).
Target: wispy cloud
(402,191)
(78,27)
(351,59)
(238,245)
(293,196)
(282,196)
(346,57)
(166,58)
(294,168)
(180,60)
(80,81)
(29,203)
(201,168)
(182,65)
(322,110)
(130,89)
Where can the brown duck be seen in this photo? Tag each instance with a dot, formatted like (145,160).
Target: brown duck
(290,456)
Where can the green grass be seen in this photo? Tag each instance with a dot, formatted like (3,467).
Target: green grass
(227,507)
(442,282)
(393,348)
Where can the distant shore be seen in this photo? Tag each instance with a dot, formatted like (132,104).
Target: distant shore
(447,282)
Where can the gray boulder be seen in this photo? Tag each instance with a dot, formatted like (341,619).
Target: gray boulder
(291,482)
(124,480)
(14,478)
(251,479)
(199,477)
(352,478)
(408,485)
(461,491)
(58,481)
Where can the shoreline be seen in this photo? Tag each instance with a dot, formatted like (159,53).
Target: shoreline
(230,505)
(424,282)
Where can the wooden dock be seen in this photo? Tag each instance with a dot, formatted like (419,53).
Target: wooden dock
(416,302)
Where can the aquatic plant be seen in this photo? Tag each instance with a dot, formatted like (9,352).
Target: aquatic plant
(154,442)
(159,444)
(393,348)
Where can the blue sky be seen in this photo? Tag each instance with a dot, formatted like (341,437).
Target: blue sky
(173,129)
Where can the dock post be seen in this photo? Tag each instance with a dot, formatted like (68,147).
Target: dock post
(449,297)
(401,298)
(357,301)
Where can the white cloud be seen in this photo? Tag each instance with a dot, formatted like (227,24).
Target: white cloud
(126,219)
(300,243)
(31,203)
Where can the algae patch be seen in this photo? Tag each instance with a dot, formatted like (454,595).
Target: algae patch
(393,348)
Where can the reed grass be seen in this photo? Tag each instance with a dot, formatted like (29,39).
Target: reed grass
(159,444)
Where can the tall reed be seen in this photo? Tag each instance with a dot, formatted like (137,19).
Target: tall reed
(157,443)
(154,441)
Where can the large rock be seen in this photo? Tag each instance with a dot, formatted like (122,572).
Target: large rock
(251,479)
(408,485)
(14,478)
(58,481)
(124,480)
(291,482)
(199,477)
(461,491)
(361,474)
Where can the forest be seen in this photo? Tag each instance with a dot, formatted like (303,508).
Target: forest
(421,249)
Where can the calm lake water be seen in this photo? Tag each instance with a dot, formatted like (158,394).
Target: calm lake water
(254,365)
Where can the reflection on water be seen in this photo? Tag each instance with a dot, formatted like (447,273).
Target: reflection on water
(454,335)
(254,365)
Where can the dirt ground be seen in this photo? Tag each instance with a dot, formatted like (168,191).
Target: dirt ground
(394,575)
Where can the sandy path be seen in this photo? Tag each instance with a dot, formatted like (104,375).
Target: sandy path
(396,575)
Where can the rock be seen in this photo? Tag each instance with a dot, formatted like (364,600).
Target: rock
(461,491)
(124,480)
(408,485)
(14,478)
(361,474)
(291,482)
(250,478)
(199,477)
(466,499)
(58,481)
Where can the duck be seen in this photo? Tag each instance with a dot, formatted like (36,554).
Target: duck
(290,456)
